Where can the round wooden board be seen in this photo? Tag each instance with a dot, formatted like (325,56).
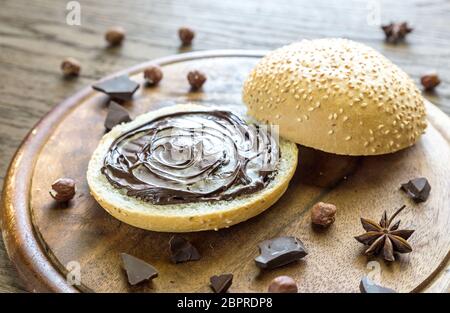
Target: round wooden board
(42,236)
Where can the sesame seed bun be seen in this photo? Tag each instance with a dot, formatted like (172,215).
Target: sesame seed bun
(338,96)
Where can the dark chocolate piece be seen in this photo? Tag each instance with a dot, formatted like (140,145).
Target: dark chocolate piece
(118,88)
(137,270)
(279,251)
(221,283)
(116,115)
(418,189)
(368,286)
(182,250)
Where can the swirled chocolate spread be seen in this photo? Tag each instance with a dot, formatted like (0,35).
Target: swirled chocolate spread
(192,157)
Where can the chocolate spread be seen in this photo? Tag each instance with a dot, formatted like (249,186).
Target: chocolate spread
(191,157)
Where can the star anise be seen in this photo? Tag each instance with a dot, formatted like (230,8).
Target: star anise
(385,239)
(396,31)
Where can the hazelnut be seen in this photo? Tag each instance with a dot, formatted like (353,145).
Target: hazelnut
(196,79)
(186,35)
(70,67)
(323,214)
(283,284)
(63,189)
(153,75)
(429,81)
(115,35)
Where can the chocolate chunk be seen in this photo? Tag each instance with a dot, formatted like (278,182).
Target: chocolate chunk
(418,189)
(116,115)
(118,88)
(368,286)
(279,251)
(182,250)
(221,283)
(137,270)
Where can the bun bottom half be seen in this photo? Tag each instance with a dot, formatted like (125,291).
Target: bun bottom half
(186,217)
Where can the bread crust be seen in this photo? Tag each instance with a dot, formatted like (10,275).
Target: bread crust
(183,217)
(337,96)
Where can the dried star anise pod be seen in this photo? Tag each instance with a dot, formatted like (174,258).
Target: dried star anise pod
(383,238)
(396,31)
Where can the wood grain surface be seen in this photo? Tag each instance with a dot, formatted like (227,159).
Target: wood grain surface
(81,231)
(34,39)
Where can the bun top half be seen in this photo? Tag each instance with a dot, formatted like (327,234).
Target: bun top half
(337,96)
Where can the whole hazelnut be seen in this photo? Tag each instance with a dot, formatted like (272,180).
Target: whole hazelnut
(283,284)
(70,67)
(115,35)
(430,81)
(196,79)
(63,189)
(323,214)
(153,75)
(186,35)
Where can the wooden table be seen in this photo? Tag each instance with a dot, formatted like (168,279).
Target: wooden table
(34,38)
